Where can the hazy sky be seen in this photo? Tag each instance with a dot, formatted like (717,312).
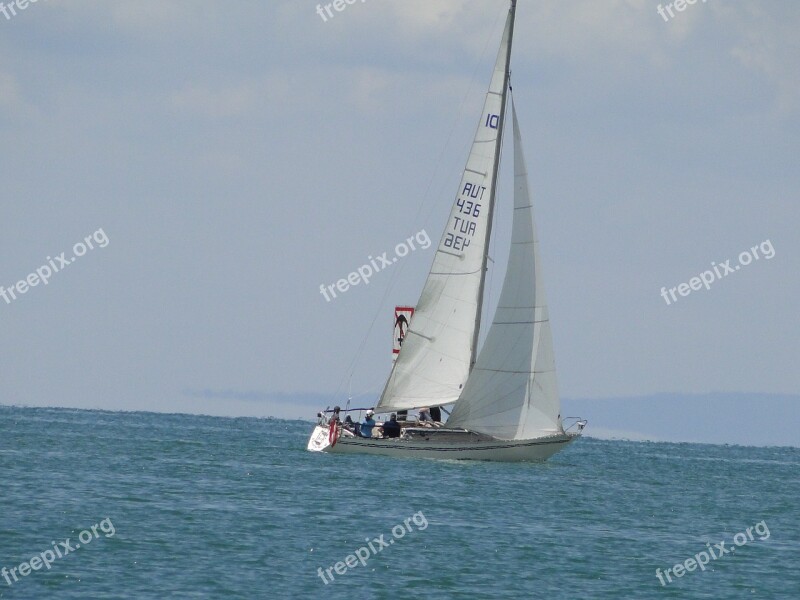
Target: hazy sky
(239,154)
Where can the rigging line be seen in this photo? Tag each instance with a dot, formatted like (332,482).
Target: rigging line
(372,390)
(394,278)
(468,144)
(459,115)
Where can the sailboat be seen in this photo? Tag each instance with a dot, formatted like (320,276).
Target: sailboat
(505,401)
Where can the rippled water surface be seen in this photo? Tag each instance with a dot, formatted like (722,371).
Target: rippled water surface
(204,507)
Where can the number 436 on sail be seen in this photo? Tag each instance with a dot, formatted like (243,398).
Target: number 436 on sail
(467,207)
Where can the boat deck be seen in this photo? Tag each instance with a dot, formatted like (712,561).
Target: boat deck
(443,434)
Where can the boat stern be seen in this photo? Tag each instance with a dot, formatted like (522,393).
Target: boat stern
(319,442)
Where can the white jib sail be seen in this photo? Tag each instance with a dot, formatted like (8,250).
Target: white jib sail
(439,347)
(512,392)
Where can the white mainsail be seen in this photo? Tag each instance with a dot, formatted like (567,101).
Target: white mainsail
(439,348)
(512,392)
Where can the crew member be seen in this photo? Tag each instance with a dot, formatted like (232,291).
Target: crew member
(366,427)
(391,429)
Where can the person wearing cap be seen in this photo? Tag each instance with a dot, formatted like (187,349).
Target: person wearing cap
(365,430)
(391,429)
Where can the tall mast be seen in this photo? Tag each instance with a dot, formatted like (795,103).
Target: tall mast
(498,148)
(440,349)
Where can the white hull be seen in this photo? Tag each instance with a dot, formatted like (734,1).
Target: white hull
(537,450)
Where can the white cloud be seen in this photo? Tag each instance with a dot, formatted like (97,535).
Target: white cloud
(768,44)
(233,100)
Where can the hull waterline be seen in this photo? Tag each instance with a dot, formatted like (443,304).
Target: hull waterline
(537,450)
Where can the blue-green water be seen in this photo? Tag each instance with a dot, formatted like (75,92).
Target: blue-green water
(206,507)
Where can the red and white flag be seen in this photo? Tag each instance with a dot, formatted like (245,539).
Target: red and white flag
(402,321)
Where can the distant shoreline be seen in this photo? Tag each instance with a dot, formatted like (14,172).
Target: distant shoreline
(736,419)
